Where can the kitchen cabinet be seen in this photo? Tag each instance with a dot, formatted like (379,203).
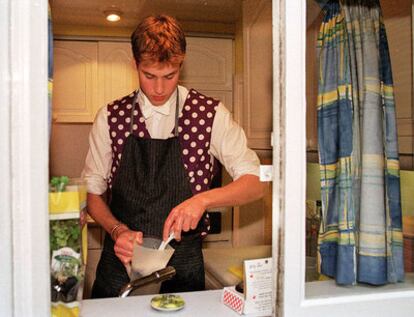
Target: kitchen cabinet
(256,109)
(90,74)
(208,68)
(314,20)
(398,24)
(75,90)
(95,244)
(117,74)
(252,223)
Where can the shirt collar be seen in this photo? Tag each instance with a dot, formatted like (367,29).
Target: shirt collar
(148,109)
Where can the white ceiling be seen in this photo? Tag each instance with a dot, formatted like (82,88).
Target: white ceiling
(90,12)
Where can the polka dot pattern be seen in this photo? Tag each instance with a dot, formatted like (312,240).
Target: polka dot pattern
(194,126)
(195,123)
(119,120)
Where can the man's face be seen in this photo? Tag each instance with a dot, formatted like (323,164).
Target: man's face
(158,81)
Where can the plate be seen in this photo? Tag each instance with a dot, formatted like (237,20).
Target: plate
(167,302)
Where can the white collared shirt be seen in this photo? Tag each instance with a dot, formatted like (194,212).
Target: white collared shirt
(228,141)
(157,117)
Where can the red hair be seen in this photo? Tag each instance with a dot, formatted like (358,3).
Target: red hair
(158,39)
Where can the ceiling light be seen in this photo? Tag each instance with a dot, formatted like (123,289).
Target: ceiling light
(113,15)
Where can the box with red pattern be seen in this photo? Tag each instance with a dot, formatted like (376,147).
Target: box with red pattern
(257,290)
(233,299)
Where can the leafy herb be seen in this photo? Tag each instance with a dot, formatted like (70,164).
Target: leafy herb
(65,233)
(58,184)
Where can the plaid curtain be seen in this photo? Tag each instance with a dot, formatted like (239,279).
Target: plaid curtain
(360,237)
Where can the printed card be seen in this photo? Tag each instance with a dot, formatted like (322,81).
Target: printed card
(258,287)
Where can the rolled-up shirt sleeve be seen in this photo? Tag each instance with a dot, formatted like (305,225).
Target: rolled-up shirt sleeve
(229,146)
(99,157)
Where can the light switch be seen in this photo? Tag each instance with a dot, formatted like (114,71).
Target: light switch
(266,173)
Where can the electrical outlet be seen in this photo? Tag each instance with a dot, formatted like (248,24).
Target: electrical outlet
(266,173)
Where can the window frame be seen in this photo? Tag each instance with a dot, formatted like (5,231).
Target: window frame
(24,234)
(24,143)
(386,301)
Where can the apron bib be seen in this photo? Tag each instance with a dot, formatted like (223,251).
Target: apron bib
(151,180)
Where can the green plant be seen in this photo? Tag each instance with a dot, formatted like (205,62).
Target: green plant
(58,184)
(65,233)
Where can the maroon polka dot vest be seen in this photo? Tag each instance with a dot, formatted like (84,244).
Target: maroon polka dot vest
(194,133)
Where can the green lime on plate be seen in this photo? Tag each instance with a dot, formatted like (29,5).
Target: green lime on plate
(167,302)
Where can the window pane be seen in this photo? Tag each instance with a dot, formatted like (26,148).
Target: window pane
(347,75)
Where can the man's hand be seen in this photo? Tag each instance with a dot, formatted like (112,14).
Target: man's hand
(124,244)
(184,217)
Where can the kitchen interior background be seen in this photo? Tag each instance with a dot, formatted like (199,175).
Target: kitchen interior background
(229,42)
(93,65)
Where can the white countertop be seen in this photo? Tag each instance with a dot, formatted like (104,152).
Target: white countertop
(200,304)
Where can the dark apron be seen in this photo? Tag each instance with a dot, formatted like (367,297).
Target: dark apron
(150,182)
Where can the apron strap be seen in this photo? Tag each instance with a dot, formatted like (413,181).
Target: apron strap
(176,115)
(134,102)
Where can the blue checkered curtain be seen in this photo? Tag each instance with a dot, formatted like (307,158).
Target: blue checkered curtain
(360,237)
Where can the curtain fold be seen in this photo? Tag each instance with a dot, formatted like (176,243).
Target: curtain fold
(360,237)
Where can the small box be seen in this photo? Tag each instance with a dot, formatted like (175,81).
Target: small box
(233,299)
(257,296)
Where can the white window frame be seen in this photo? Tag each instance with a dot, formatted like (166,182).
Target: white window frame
(24,244)
(383,301)
(24,234)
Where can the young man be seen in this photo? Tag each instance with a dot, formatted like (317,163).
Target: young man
(156,152)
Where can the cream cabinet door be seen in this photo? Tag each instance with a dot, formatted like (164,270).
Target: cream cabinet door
(117,72)
(208,64)
(75,89)
(208,68)
(258,70)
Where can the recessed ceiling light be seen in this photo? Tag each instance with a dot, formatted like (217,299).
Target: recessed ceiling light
(113,15)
